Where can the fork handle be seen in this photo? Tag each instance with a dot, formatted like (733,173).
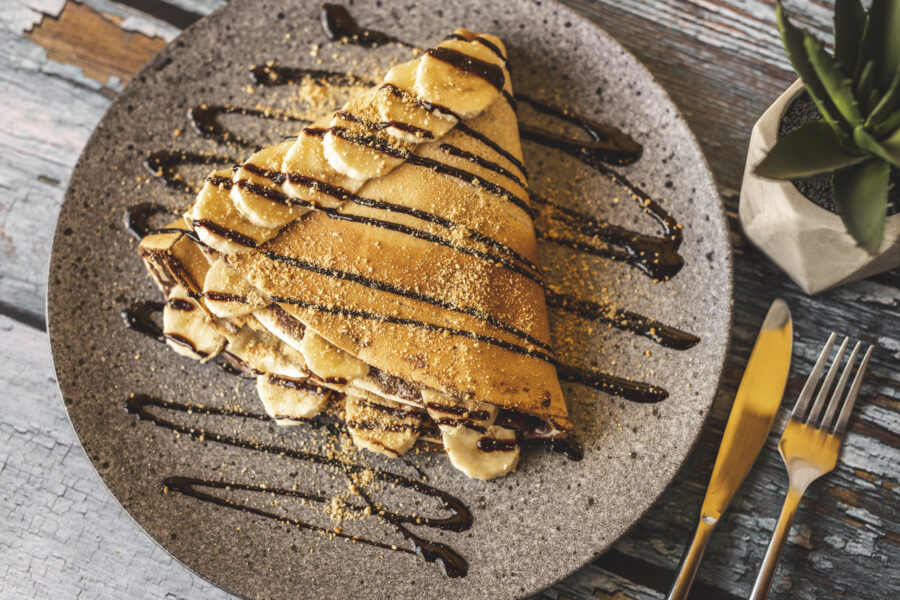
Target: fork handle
(773,554)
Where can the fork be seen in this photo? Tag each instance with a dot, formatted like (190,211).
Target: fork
(810,444)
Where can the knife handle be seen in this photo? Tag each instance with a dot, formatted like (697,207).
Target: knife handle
(691,560)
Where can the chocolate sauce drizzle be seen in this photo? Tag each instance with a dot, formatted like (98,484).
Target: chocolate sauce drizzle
(163,164)
(489,444)
(662,334)
(205,120)
(635,391)
(138,217)
(138,319)
(608,144)
(339,25)
(458,519)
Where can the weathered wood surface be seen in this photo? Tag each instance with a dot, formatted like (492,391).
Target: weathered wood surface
(62,535)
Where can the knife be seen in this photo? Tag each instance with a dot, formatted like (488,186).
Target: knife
(757,400)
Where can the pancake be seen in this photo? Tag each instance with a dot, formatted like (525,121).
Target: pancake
(382,266)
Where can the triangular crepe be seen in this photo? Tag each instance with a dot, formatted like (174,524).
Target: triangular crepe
(387,254)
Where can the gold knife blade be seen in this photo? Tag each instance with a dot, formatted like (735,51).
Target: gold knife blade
(755,405)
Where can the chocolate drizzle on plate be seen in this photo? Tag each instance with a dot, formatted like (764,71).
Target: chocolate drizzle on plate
(205,119)
(607,144)
(656,256)
(635,391)
(459,517)
(137,218)
(163,164)
(339,25)
(662,334)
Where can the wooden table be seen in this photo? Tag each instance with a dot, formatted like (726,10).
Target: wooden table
(63,536)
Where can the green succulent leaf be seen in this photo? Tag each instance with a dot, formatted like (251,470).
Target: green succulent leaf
(849,25)
(861,197)
(792,38)
(813,148)
(881,40)
(889,102)
(838,86)
(888,149)
(865,87)
(884,129)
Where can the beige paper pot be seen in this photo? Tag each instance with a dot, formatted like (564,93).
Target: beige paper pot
(808,242)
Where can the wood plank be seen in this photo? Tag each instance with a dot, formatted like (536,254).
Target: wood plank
(50,109)
(61,533)
(81,36)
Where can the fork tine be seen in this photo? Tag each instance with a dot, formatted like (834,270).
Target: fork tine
(810,385)
(835,400)
(826,386)
(841,425)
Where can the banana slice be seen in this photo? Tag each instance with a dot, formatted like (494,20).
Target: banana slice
(187,328)
(310,177)
(257,191)
(330,362)
(474,444)
(290,401)
(265,353)
(218,223)
(408,119)
(227,294)
(381,425)
(356,149)
(482,455)
(461,76)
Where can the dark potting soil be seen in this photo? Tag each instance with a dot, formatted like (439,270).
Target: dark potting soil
(818,188)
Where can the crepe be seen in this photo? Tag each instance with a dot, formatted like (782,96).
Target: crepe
(383,266)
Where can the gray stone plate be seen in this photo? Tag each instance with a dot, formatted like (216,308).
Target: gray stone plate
(531,528)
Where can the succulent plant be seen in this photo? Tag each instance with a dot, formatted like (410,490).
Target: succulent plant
(857,90)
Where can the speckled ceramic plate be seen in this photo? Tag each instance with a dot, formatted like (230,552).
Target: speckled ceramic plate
(530,528)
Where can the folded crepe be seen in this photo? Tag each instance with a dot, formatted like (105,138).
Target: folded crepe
(383,267)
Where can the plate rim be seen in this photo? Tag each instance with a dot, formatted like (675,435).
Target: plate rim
(719,215)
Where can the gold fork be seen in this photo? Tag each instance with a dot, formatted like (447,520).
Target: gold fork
(810,445)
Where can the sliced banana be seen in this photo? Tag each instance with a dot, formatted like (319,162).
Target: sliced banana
(474,444)
(330,362)
(265,353)
(257,191)
(310,177)
(398,106)
(454,87)
(290,401)
(355,148)
(187,328)
(218,223)
(482,455)
(381,425)
(227,294)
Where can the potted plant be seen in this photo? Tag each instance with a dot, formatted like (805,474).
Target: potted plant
(821,189)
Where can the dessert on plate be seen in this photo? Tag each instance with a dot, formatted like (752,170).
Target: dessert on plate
(381,267)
